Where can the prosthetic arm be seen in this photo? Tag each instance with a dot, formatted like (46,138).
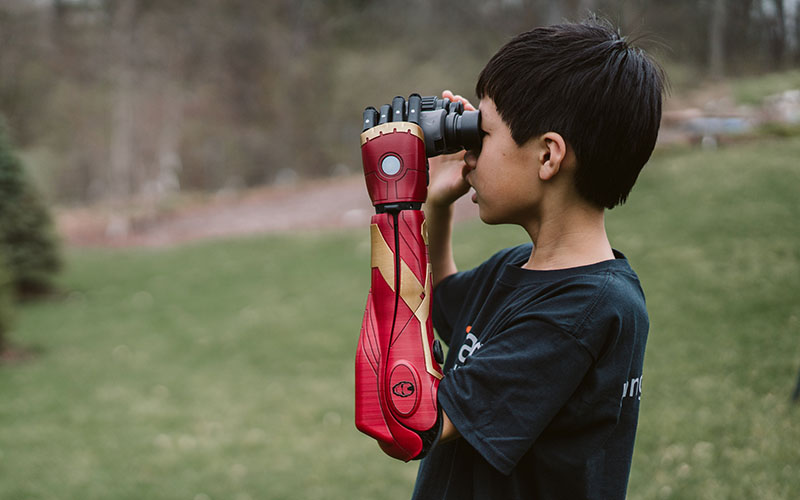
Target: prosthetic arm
(397,376)
(397,360)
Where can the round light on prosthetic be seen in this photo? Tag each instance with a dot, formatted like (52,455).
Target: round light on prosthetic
(390,164)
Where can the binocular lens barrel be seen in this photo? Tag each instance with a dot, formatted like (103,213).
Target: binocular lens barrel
(448,128)
(468,130)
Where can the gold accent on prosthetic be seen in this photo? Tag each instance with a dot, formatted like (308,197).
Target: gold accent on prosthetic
(416,297)
(382,256)
(391,128)
(410,288)
(422,315)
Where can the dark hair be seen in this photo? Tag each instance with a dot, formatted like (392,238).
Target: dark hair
(585,82)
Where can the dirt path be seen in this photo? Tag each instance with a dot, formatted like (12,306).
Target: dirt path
(313,205)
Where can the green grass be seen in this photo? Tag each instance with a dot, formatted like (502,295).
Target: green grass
(715,238)
(225,370)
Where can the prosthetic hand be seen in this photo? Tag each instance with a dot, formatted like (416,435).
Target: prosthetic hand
(398,361)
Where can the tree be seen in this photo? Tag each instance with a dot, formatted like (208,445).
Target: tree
(6,303)
(27,237)
(777,34)
(716,40)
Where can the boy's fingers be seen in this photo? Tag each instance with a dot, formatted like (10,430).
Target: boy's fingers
(447,94)
(470,158)
(443,162)
(467,105)
(470,162)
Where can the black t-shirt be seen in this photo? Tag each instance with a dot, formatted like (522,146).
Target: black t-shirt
(543,381)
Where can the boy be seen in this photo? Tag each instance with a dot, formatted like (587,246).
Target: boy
(543,377)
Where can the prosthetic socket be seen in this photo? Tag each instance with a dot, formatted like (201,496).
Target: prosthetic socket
(398,361)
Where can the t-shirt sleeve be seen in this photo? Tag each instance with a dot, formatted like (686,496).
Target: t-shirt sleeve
(448,300)
(451,295)
(505,394)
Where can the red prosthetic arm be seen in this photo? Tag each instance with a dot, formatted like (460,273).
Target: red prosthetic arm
(397,372)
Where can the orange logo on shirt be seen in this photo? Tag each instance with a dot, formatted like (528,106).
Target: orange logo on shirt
(469,346)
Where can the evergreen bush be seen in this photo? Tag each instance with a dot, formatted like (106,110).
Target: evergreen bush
(27,236)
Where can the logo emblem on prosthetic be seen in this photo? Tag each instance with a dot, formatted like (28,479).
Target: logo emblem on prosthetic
(403,389)
(404,380)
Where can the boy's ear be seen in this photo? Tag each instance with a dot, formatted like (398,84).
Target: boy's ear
(551,155)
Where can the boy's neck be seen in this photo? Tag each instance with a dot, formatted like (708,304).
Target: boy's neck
(569,237)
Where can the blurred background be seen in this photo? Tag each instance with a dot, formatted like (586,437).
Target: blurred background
(139,98)
(184,262)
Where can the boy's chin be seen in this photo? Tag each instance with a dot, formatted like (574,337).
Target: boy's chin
(497,217)
(489,218)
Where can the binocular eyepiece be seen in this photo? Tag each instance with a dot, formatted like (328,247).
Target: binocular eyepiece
(446,126)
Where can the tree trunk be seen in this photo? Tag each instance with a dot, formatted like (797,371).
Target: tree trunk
(777,39)
(169,141)
(796,33)
(121,159)
(716,40)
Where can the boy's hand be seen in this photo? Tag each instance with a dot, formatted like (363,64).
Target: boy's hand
(448,181)
(447,94)
(448,172)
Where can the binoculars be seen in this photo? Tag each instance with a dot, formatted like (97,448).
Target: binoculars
(446,126)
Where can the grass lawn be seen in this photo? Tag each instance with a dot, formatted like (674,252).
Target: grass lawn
(224,370)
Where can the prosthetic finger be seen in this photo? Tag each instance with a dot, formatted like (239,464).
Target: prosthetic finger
(414,108)
(398,109)
(370,118)
(386,114)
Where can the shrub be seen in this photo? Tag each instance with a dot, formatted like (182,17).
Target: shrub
(27,236)
(6,302)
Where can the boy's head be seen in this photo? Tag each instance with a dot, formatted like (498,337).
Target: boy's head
(584,82)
